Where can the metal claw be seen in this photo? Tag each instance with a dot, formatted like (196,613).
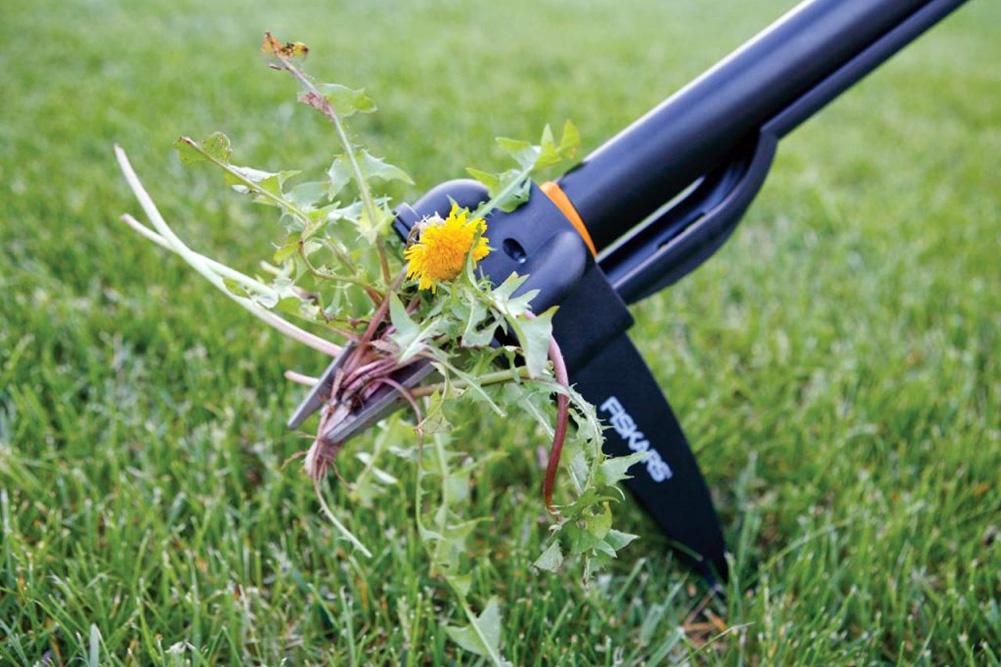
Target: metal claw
(320,393)
(381,404)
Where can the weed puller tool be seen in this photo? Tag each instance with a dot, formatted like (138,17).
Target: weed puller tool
(644,210)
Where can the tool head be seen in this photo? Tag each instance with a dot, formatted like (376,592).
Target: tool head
(320,393)
(387,398)
(384,401)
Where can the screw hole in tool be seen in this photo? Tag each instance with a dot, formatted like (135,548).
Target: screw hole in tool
(514,250)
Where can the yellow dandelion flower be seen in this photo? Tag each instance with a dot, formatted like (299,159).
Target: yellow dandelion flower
(441,250)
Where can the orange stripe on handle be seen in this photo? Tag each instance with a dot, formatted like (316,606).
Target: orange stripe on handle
(556,194)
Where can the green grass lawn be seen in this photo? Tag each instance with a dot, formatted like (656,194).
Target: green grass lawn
(836,366)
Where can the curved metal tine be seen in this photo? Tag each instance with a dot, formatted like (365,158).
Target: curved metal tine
(384,402)
(320,392)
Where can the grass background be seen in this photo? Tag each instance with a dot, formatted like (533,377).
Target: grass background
(836,365)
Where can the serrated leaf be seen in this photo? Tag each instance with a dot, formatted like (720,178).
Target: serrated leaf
(429,535)
(217,147)
(578,464)
(306,195)
(581,540)
(551,153)
(506,289)
(570,141)
(524,153)
(402,322)
(343,236)
(376,167)
(533,334)
(474,334)
(450,544)
(534,402)
(589,427)
(603,549)
(599,523)
(351,212)
(458,532)
(443,365)
(518,195)
(347,101)
(408,337)
(503,299)
(339,174)
(268,181)
(513,184)
(275,183)
(461,582)
(489,179)
(366,493)
(286,251)
(380,474)
(371,229)
(484,638)
(456,487)
(467,638)
(384,477)
(249,173)
(187,152)
(551,559)
(613,470)
(534,337)
(618,539)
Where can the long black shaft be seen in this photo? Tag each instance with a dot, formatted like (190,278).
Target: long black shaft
(693,131)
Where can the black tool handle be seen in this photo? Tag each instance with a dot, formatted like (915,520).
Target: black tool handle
(698,128)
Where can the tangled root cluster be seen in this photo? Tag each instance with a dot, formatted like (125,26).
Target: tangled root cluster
(367,368)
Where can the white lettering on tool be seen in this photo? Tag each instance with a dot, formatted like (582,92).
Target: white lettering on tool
(625,426)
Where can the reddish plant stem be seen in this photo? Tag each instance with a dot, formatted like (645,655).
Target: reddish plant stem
(361,355)
(380,313)
(369,369)
(371,372)
(405,393)
(562,421)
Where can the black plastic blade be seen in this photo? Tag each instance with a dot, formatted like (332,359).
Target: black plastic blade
(667,483)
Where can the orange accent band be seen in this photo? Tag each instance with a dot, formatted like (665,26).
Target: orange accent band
(556,194)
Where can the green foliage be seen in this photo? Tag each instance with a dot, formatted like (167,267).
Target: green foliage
(214,147)
(340,173)
(509,189)
(347,101)
(482,635)
(512,311)
(410,337)
(325,279)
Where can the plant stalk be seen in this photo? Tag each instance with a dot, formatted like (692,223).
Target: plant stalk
(195,261)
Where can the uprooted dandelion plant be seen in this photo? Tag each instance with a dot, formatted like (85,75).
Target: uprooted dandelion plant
(342,283)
